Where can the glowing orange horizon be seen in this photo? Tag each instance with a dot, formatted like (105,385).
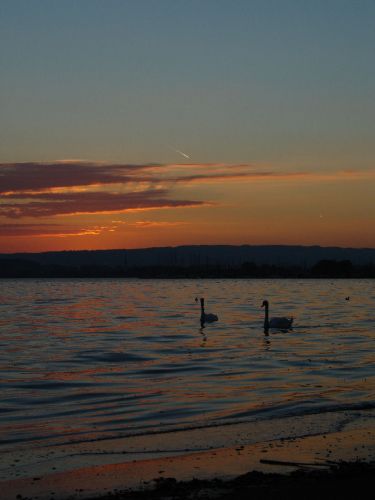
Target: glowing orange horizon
(71,205)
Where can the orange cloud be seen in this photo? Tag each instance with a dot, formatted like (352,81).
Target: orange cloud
(148,223)
(47,230)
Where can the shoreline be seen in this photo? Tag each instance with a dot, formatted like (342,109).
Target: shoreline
(340,481)
(281,446)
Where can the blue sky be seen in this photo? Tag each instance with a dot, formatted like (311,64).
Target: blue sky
(265,81)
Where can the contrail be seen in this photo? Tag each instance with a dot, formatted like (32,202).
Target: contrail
(180,152)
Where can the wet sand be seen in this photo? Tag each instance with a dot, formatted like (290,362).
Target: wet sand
(312,444)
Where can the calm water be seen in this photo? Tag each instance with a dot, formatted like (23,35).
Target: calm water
(87,359)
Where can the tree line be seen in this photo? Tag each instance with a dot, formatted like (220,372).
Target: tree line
(23,268)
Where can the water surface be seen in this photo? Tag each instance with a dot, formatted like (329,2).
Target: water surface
(84,360)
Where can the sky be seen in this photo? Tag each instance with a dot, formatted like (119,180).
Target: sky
(139,123)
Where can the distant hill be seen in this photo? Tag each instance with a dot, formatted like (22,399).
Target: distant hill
(200,256)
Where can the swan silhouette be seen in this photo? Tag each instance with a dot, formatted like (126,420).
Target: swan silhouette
(206,318)
(278,322)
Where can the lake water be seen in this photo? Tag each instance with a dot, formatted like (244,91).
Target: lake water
(83,360)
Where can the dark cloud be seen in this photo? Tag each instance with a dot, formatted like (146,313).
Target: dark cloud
(51,204)
(66,187)
(32,177)
(37,229)
(61,188)
(221,177)
(39,176)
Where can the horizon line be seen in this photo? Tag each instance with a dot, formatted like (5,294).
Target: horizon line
(192,245)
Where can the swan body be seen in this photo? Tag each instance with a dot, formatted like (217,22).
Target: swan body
(281,322)
(207,317)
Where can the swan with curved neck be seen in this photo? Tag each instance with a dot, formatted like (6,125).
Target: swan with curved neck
(281,322)
(207,317)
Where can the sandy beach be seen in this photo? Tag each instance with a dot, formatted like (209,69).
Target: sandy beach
(142,463)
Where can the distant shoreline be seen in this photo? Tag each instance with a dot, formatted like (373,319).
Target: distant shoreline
(195,262)
(172,278)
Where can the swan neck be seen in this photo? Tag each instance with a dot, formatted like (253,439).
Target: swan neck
(202,312)
(266,320)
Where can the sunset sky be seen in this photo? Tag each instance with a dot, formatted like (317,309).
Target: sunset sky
(137,123)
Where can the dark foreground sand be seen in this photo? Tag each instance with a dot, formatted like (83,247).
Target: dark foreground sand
(346,480)
(342,481)
(236,461)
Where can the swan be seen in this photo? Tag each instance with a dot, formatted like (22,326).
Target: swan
(280,322)
(207,318)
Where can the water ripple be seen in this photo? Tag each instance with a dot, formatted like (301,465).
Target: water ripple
(86,360)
